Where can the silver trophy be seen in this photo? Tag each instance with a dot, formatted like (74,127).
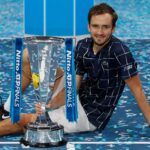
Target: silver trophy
(46,54)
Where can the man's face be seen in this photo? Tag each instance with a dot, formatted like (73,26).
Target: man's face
(101,28)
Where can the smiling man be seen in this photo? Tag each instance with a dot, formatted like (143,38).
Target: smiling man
(101,29)
(103,66)
(106,65)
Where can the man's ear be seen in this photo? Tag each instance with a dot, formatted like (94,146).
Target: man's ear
(89,28)
(113,29)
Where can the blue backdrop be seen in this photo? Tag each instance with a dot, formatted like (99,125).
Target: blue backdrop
(56,18)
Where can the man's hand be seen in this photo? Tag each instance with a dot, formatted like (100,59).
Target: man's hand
(39,109)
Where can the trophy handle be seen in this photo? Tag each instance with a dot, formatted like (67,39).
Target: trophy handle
(48,117)
(44,119)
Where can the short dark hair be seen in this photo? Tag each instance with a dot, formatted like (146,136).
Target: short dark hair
(102,9)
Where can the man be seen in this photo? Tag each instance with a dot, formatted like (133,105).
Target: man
(103,66)
(108,65)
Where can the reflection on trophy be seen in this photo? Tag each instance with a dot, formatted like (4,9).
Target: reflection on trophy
(46,56)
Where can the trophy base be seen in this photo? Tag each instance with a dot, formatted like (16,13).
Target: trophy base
(43,135)
(42,145)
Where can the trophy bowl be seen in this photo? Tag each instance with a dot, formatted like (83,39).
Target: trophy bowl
(42,54)
(44,136)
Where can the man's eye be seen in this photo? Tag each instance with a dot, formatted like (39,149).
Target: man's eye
(106,27)
(94,26)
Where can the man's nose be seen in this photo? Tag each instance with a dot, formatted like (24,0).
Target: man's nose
(100,30)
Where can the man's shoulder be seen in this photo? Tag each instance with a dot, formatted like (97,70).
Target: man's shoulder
(116,41)
(118,44)
(118,47)
(85,42)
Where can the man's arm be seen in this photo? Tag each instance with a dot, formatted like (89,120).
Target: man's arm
(78,82)
(136,88)
(60,98)
(26,70)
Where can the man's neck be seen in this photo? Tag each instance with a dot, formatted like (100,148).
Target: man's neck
(97,48)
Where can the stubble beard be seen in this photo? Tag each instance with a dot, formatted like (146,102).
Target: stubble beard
(102,44)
